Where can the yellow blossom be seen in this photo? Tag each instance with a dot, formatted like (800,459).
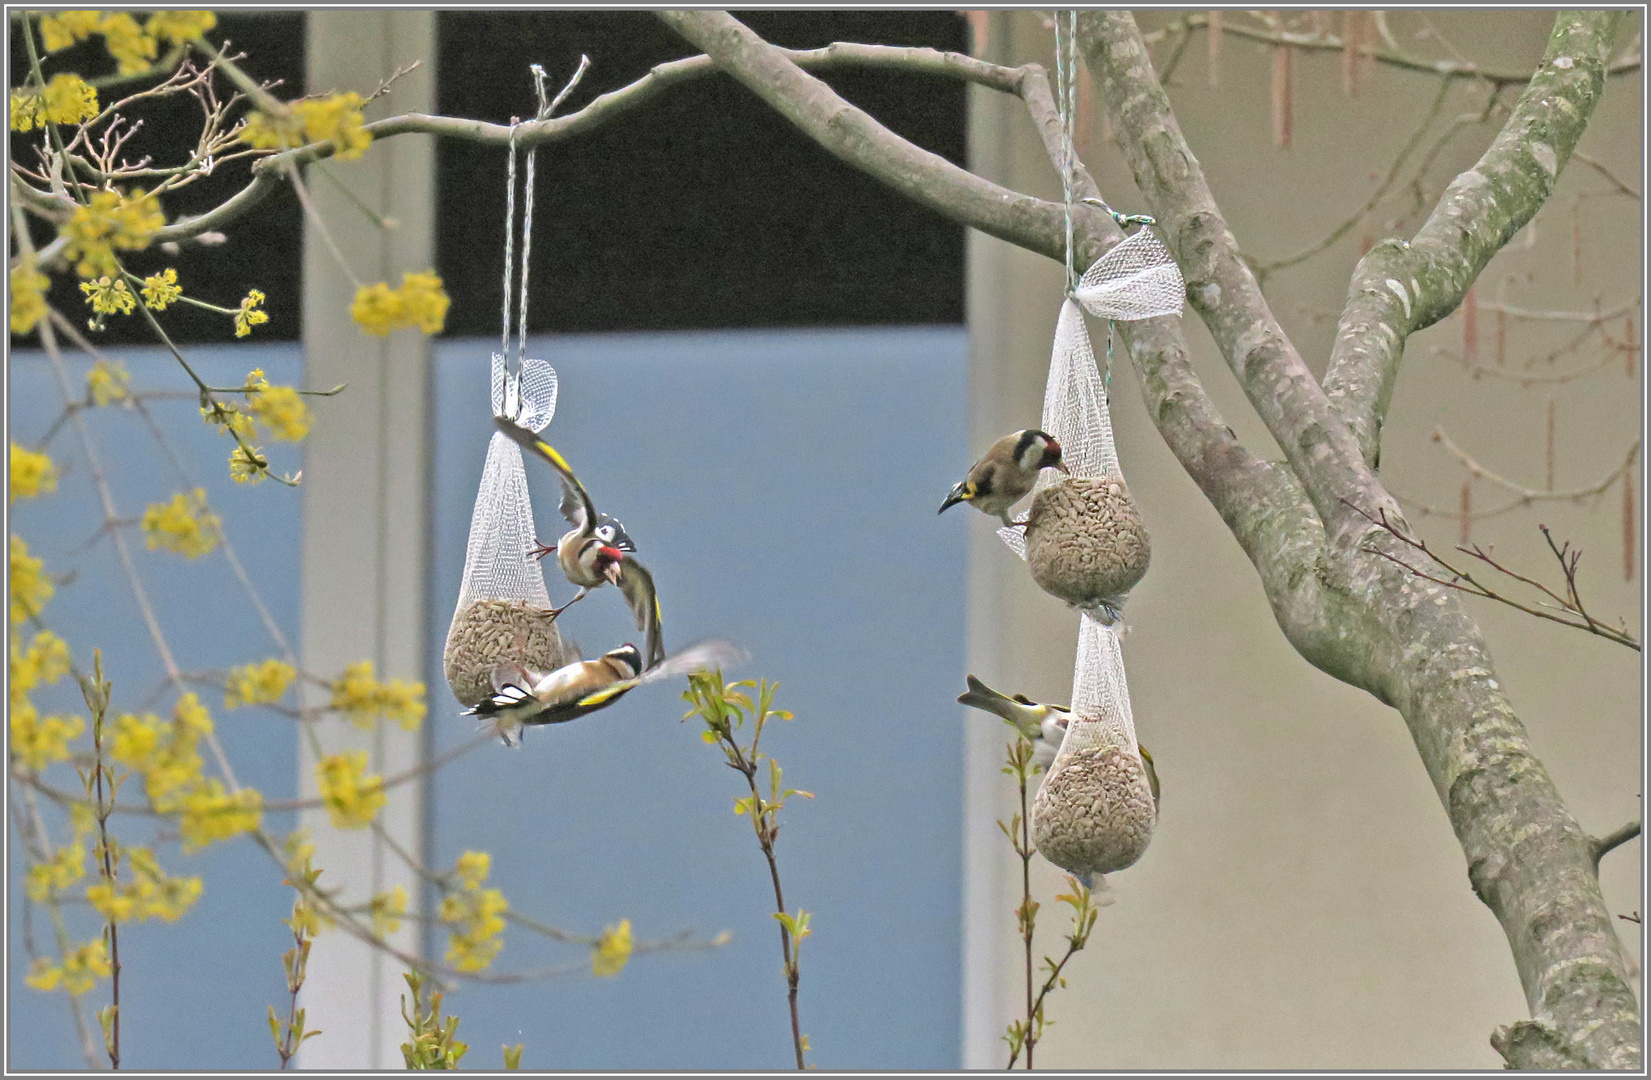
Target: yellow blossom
(78,972)
(307,920)
(180,26)
(38,742)
(183,525)
(258,684)
(32,473)
(66,866)
(336,117)
(209,813)
(352,796)
(161,289)
(363,699)
(70,100)
(150,894)
(280,408)
(165,753)
(28,292)
(67,99)
(108,297)
(45,661)
(63,29)
(424,302)
(109,221)
(230,419)
(387,909)
(249,314)
(107,382)
(473,867)
(130,44)
(378,309)
(613,950)
(30,588)
(266,131)
(475,922)
(248,466)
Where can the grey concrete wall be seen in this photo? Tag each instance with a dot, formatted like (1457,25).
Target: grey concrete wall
(1304,903)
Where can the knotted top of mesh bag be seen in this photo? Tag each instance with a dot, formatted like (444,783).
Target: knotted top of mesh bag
(497,563)
(1137,279)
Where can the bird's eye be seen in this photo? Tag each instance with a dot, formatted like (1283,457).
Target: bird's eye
(605,532)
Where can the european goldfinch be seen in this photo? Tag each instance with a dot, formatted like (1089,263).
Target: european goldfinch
(596,551)
(1006,472)
(522,697)
(1044,725)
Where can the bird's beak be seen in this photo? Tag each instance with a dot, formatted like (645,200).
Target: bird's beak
(613,557)
(1061,465)
(959,494)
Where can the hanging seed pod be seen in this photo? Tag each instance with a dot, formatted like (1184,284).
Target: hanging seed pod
(1085,542)
(488,633)
(1093,813)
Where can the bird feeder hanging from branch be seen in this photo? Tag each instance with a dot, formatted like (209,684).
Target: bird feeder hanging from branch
(504,614)
(1084,542)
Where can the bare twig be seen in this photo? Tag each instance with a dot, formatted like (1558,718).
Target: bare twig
(1462,580)
(1599,167)
(1604,845)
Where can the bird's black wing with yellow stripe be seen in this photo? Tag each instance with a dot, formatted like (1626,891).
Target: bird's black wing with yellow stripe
(638,586)
(576,503)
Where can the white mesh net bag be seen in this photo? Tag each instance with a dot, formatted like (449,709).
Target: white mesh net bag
(503,614)
(1084,542)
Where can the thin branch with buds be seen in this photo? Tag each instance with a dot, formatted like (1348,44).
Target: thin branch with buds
(1570,611)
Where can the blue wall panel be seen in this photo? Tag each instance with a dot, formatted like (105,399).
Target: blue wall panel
(782,488)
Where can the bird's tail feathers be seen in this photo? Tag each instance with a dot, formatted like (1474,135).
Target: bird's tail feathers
(981,696)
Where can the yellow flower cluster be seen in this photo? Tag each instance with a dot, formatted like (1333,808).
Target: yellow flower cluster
(30,587)
(45,661)
(151,894)
(180,26)
(32,473)
(353,797)
(250,314)
(421,301)
(258,684)
(134,50)
(387,910)
(279,408)
(78,973)
(108,297)
(229,418)
(612,950)
(183,525)
(107,382)
(336,118)
(37,741)
(209,813)
(248,466)
(66,866)
(363,699)
(67,99)
(161,289)
(111,221)
(28,296)
(68,27)
(167,756)
(474,915)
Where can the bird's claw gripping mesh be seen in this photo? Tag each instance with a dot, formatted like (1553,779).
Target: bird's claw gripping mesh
(1094,812)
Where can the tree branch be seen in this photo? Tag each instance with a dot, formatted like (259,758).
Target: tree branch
(1402,286)
(1220,285)
(1613,840)
(1377,626)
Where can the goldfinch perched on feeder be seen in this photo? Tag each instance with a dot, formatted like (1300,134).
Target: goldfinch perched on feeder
(1006,472)
(596,550)
(522,697)
(1044,725)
